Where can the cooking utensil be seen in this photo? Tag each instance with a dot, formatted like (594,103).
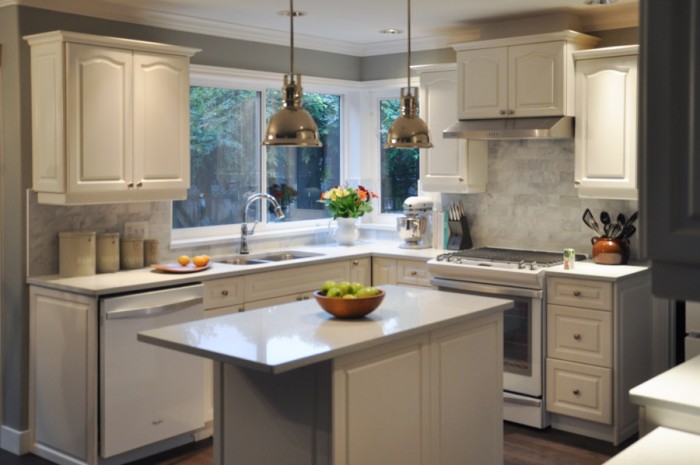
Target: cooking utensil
(621,218)
(632,219)
(590,221)
(604,217)
(628,231)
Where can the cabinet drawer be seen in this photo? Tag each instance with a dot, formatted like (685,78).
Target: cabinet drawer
(579,335)
(294,280)
(580,391)
(223,292)
(585,293)
(414,273)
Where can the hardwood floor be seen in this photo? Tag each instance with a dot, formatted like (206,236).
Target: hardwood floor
(522,446)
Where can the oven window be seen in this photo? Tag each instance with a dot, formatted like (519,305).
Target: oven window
(517,344)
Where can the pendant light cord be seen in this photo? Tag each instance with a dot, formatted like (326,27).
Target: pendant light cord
(408,61)
(291,40)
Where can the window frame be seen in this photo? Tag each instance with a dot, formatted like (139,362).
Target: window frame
(239,79)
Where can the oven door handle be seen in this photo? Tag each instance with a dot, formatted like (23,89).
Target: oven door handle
(486,288)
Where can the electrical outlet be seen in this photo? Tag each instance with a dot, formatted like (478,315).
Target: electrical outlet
(136,229)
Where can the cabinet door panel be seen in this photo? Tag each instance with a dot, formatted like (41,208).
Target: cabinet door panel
(161,121)
(606,127)
(536,79)
(483,75)
(98,105)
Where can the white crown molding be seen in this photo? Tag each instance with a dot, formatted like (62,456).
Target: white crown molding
(600,20)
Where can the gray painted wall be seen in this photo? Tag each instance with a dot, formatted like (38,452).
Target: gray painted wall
(15,171)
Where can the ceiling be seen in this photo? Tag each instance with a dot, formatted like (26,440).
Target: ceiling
(341,25)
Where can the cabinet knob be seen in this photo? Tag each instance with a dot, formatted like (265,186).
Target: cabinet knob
(510,112)
(502,112)
(414,273)
(241,309)
(299,298)
(139,185)
(461,179)
(224,292)
(355,262)
(576,392)
(577,337)
(130,185)
(306,297)
(577,182)
(577,293)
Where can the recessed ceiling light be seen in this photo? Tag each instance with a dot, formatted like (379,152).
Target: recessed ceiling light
(599,2)
(391,31)
(286,13)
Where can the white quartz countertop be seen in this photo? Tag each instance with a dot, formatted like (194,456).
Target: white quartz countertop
(675,389)
(148,278)
(283,337)
(661,446)
(590,269)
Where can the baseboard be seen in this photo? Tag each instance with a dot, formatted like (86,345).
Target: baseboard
(15,442)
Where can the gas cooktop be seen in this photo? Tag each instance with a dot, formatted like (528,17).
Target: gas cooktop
(507,256)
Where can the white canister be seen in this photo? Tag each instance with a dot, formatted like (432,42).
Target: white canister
(76,253)
(107,252)
(131,253)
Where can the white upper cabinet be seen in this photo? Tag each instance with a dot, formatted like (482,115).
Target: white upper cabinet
(606,123)
(452,165)
(518,77)
(110,119)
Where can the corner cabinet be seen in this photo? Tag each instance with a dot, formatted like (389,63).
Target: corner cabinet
(606,123)
(110,119)
(452,165)
(523,76)
(599,346)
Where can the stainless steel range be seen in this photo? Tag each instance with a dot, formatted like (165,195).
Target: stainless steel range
(518,275)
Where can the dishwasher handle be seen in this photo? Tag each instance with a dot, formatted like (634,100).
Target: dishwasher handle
(141,312)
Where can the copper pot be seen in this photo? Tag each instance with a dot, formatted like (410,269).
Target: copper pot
(608,251)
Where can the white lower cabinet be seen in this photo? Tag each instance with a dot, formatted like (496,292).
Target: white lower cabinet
(400,271)
(429,387)
(599,346)
(98,395)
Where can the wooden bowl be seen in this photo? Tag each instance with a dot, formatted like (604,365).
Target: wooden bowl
(349,308)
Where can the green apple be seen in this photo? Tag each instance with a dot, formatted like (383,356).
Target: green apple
(327,285)
(355,287)
(364,292)
(349,296)
(334,292)
(344,287)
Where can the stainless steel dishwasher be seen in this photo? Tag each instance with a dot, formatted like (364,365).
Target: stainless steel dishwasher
(147,393)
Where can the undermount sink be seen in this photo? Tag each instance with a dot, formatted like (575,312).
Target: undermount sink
(267,258)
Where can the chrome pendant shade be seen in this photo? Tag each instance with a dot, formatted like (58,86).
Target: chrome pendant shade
(292,125)
(408,131)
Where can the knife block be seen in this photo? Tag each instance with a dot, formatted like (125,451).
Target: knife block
(460,238)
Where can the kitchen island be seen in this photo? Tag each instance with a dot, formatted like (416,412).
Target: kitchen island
(418,381)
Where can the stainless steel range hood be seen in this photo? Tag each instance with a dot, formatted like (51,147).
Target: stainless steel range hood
(558,127)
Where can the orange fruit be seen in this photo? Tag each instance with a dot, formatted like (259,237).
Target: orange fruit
(183,260)
(200,260)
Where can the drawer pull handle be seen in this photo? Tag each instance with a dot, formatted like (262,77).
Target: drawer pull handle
(576,392)
(224,292)
(355,262)
(156,422)
(414,273)
(577,293)
(577,337)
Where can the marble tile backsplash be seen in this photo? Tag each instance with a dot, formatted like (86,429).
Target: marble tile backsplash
(531,203)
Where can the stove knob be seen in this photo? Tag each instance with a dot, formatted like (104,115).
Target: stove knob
(521,265)
(533,265)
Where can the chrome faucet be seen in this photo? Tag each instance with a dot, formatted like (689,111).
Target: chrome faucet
(244,225)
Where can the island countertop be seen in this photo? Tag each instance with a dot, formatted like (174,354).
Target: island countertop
(288,336)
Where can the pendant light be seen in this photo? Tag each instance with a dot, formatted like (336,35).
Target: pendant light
(292,125)
(408,131)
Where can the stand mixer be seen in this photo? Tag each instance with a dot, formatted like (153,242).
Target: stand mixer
(415,225)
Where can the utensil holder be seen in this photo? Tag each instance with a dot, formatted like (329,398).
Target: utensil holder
(460,238)
(607,251)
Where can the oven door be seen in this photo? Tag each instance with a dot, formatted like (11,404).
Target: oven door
(522,338)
